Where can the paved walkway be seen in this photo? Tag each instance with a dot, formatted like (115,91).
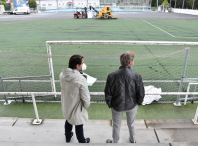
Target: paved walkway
(20,132)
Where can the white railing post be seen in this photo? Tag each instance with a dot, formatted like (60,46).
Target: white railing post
(51,70)
(177,103)
(186,97)
(195,118)
(37,120)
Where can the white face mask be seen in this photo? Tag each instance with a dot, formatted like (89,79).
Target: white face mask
(84,67)
(132,65)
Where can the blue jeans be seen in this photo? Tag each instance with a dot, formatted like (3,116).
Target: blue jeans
(79,132)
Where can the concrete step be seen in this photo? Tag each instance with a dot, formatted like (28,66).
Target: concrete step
(20,131)
(99,144)
(52,131)
(169,135)
(74,144)
(170,123)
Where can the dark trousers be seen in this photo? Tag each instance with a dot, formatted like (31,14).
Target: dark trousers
(79,132)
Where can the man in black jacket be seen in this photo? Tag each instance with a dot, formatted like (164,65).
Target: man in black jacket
(124,91)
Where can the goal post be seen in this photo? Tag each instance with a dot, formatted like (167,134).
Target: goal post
(51,69)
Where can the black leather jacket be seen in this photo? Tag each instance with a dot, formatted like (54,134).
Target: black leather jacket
(124,89)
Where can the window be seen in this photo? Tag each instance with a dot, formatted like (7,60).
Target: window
(63,3)
(49,4)
(89,3)
(78,3)
(43,4)
(81,3)
(94,3)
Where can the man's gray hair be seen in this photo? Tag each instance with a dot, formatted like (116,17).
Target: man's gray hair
(126,57)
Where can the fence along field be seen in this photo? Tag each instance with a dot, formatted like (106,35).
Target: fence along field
(159,65)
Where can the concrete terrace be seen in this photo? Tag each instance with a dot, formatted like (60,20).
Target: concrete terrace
(20,132)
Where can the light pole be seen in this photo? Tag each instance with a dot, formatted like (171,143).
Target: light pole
(170,3)
(193,4)
(157,4)
(183,4)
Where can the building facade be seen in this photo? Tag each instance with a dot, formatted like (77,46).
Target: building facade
(63,4)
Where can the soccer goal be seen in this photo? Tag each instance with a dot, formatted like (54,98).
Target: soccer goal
(166,65)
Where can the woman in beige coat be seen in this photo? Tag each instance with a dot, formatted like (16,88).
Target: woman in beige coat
(75,98)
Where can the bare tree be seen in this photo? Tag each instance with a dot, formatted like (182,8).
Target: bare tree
(183,4)
(175,3)
(193,4)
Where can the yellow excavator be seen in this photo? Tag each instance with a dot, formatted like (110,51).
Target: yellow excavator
(104,13)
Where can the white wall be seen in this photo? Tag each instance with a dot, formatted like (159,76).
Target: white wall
(185,11)
(83,3)
(2,9)
(52,4)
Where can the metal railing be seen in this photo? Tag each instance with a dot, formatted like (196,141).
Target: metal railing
(196,116)
(186,97)
(38,121)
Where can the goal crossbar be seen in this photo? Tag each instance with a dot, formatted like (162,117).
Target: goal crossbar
(125,42)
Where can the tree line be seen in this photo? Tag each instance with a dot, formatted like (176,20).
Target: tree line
(185,4)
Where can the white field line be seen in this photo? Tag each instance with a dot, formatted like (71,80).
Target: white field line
(157,27)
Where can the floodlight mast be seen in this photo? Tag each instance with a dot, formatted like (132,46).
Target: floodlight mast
(193,4)
(57,4)
(170,3)
(39,4)
(157,5)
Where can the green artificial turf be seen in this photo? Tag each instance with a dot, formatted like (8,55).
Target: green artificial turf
(152,62)
(31,36)
(98,111)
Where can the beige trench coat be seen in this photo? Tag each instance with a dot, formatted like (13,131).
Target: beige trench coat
(75,98)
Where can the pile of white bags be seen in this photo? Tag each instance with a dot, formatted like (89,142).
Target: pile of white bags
(148,99)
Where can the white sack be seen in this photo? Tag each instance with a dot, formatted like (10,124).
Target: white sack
(148,99)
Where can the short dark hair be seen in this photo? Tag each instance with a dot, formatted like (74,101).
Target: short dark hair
(74,60)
